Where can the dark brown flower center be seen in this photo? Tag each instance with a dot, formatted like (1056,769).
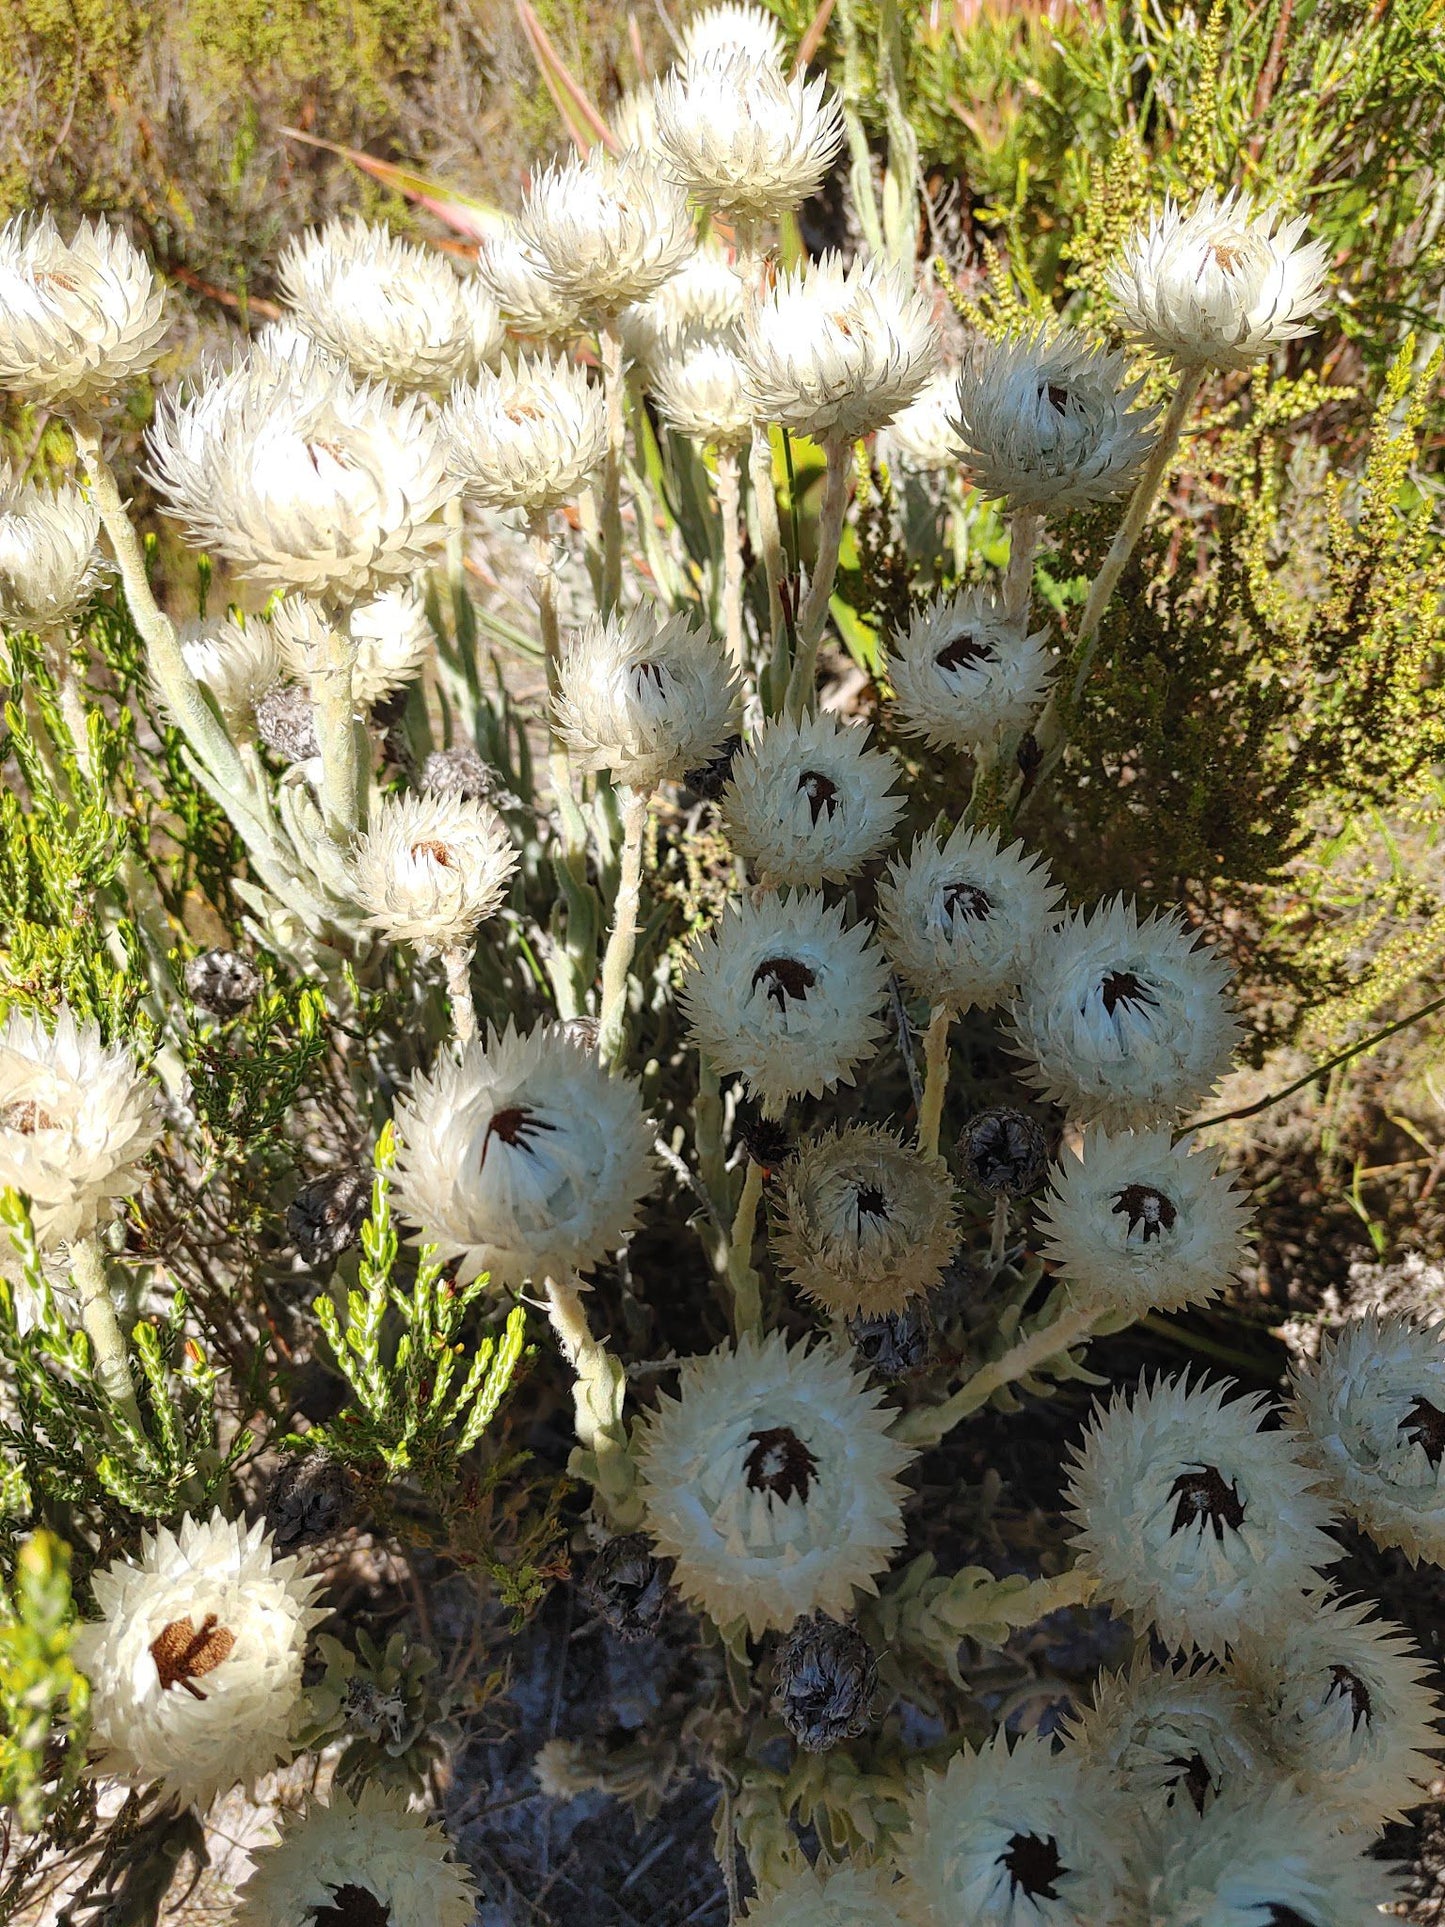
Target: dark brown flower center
(967,900)
(964,651)
(1204,1496)
(1123,987)
(1143,1205)
(870,1201)
(1276,1914)
(821,792)
(1425,1424)
(644,673)
(27,1117)
(352,1906)
(1349,1686)
(514,1125)
(1034,1865)
(779,1462)
(182,1654)
(1057,396)
(1195,1778)
(784,977)
(438,852)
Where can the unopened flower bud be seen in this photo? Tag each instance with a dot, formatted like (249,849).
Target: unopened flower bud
(286,723)
(710,779)
(1003,1152)
(222,983)
(325,1217)
(766,1140)
(311,1496)
(893,1344)
(458,771)
(627,1586)
(827,1677)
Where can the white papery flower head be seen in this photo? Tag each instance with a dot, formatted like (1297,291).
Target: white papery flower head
(1220,285)
(705,297)
(634,119)
(809,801)
(606,230)
(1046,421)
(391,310)
(1262,1857)
(48,560)
(78,319)
(301,478)
(393,637)
(1016,1836)
(835,352)
(522,1157)
(922,435)
(965,675)
(644,695)
(77,1121)
(1138,1223)
(1347,1712)
(773,1483)
(745,139)
(843,1896)
(782,995)
(527,435)
(868,1221)
(735,30)
(1124,1022)
(701,387)
(1173,1736)
(429,869)
(362,1860)
(1369,1411)
(527,301)
(236,662)
(1193,1519)
(195,1662)
(960,919)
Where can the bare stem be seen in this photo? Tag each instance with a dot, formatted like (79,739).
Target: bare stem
(559,767)
(1025,528)
(729,502)
(598,1395)
(609,341)
(927,1424)
(457,962)
(770,533)
(747,1299)
(622,939)
(331,692)
(102,1328)
(813,616)
(935,1079)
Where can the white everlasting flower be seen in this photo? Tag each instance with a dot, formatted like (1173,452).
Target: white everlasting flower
(1123,1022)
(1138,1223)
(1048,422)
(1347,1712)
(705,297)
(48,563)
(701,388)
(809,801)
(236,662)
(78,319)
(1261,1858)
(634,120)
(773,1483)
(922,435)
(844,1896)
(429,869)
(527,301)
(392,311)
(528,435)
(195,1663)
(868,1222)
(1014,1837)
(1173,1736)
(393,638)
(606,230)
(743,138)
(836,353)
(782,995)
(77,1121)
(1193,1519)
(644,695)
(1370,1413)
(736,30)
(522,1156)
(1220,285)
(960,919)
(302,479)
(362,1862)
(965,675)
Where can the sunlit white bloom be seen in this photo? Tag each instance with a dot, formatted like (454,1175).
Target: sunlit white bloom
(529,434)
(960,919)
(783,995)
(522,1156)
(867,1223)
(48,562)
(1263,1857)
(1138,1223)
(393,638)
(236,663)
(195,1662)
(1014,1837)
(77,1120)
(734,29)
(965,675)
(634,119)
(773,1483)
(809,801)
(701,387)
(703,298)
(743,138)
(836,352)
(1048,422)
(1220,285)
(843,1896)
(300,478)
(1193,1519)
(486,326)
(1370,1413)
(1347,1712)
(363,1862)
(922,435)
(527,300)
(1125,1022)
(428,869)
(606,230)
(392,311)
(1173,1736)
(78,319)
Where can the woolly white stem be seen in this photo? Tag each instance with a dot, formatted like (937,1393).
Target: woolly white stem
(609,342)
(927,1424)
(935,1079)
(559,767)
(597,1397)
(336,731)
(770,534)
(102,1328)
(457,962)
(622,939)
(747,1304)
(729,502)
(1025,528)
(813,616)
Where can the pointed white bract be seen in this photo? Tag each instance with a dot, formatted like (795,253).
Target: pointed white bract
(965,675)
(746,141)
(809,801)
(527,435)
(605,231)
(429,869)
(48,561)
(79,319)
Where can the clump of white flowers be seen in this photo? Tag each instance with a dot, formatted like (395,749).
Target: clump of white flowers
(809,801)
(48,561)
(965,674)
(429,869)
(78,318)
